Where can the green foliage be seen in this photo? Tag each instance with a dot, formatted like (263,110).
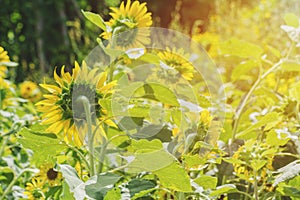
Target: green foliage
(36,140)
(96,19)
(159,133)
(236,47)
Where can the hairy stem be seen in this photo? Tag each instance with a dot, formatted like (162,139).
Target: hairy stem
(86,104)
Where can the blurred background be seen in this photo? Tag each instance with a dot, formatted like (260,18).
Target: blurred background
(40,35)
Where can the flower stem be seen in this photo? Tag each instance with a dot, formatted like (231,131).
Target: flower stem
(9,187)
(86,104)
(244,101)
(80,155)
(102,154)
(255,185)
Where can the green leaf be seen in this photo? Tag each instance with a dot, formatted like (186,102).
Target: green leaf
(294,92)
(290,66)
(150,156)
(233,160)
(75,184)
(174,177)
(291,20)
(243,69)
(150,58)
(274,51)
(239,48)
(97,186)
(117,141)
(269,121)
(136,186)
(66,194)
(150,160)
(37,142)
(224,189)
(130,123)
(146,145)
(203,101)
(113,194)
(139,111)
(143,193)
(207,182)
(258,164)
(95,19)
(276,139)
(113,53)
(154,131)
(157,92)
(193,161)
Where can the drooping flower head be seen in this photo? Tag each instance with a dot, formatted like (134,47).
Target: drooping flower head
(177,60)
(61,109)
(129,17)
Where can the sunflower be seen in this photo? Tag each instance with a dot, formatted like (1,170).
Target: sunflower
(34,190)
(50,175)
(3,58)
(176,60)
(30,90)
(127,19)
(62,111)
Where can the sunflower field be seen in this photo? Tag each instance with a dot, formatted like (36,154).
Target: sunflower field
(111,100)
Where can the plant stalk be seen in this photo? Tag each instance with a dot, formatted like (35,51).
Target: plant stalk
(9,187)
(244,101)
(86,104)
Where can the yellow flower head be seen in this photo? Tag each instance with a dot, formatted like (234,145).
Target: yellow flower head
(4,84)
(50,175)
(30,90)
(3,58)
(177,59)
(129,17)
(34,190)
(65,114)
(205,118)
(210,41)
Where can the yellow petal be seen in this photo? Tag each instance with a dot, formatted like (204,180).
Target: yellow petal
(108,86)
(52,119)
(76,70)
(57,78)
(101,80)
(109,122)
(51,88)
(55,127)
(51,97)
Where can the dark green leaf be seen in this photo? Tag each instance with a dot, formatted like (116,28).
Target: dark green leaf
(98,185)
(137,185)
